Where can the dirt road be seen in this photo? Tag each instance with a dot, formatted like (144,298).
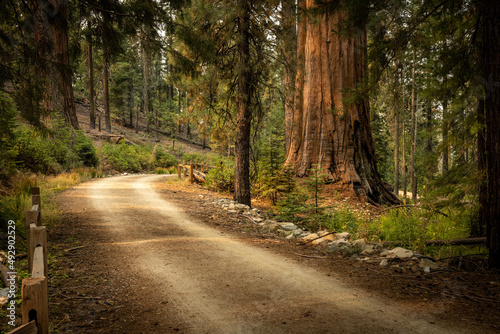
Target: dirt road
(168,268)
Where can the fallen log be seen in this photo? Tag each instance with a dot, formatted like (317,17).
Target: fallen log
(468,241)
(448,242)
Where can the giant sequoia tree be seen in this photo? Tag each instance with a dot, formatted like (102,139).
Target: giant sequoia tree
(50,19)
(330,124)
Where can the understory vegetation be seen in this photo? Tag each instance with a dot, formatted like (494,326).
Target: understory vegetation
(157,70)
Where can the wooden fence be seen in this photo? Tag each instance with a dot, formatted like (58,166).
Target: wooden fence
(35,300)
(195,171)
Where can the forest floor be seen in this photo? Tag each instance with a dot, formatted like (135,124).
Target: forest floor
(147,254)
(119,266)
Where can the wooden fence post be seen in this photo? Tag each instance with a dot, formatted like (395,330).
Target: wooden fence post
(38,237)
(191,173)
(35,303)
(179,170)
(39,262)
(35,197)
(183,168)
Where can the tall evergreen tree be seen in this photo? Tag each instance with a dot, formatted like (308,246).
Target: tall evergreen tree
(490,12)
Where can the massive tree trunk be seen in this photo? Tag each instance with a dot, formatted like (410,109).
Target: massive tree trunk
(327,130)
(491,40)
(61,48)
(243,102)
(51,37)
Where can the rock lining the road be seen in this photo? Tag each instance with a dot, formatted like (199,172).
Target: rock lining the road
(333,242)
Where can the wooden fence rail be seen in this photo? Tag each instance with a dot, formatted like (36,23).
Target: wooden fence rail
(34,291)
(195,172)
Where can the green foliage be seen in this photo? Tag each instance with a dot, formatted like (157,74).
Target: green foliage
(35,152)
(59,149)
(193,157)
(163,158)
(222,177)
(274,184)
(160,170)
(401,225)
(7,135)
(126,158)
(341,220)
(315,184)
(86,150)
(292,206)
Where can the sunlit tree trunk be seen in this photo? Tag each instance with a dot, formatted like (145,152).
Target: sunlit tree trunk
(325,129)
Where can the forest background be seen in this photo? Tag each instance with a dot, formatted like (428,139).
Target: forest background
(410,90)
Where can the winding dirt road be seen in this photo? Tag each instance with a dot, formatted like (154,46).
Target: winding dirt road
(210,282)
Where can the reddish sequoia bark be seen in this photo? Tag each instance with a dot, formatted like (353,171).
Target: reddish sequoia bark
(61,48)
(51,38)
(326,130)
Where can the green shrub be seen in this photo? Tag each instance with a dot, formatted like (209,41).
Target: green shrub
(222,177)
(164,159)
(291,206)
(126,158)
(8,151)
(86,151)
(193,157)
(160,170)
(34,153)
(401,225)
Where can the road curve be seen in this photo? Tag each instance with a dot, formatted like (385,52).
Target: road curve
(217,284)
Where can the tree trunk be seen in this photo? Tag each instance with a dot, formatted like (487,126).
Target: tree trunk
(326,130)
(90,64)
(131,103)
(413,136)
(396,136)
(491,53)
(289,49)
(105,88)
(145,85)
(446,147)
(403,109)
(61,49)
(243,102)
(478,226)
(50,20)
